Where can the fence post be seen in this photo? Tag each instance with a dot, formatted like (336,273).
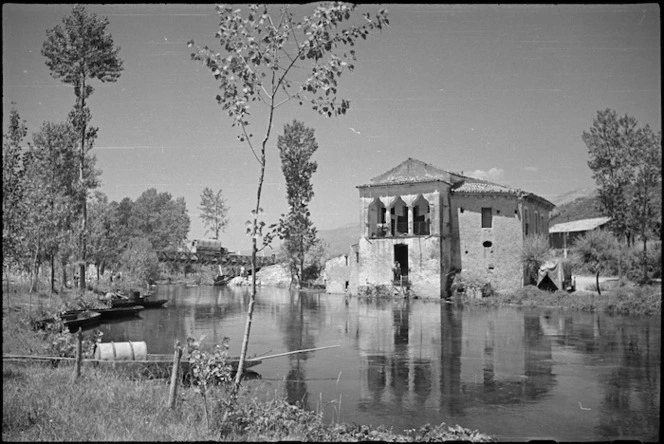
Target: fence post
(79,354)
(175,375)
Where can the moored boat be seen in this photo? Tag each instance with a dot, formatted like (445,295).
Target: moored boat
(85,319)
(105,313)
(144,302)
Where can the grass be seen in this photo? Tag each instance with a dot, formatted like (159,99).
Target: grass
(626,300)
(43,403)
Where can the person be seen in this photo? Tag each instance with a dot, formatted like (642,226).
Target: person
(397,270)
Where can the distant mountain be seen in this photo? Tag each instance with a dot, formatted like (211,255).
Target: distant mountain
(573,195)
(339,240)
(582,203)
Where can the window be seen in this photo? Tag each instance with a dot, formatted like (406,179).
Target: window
(486,217)
(525,219)
(536,223)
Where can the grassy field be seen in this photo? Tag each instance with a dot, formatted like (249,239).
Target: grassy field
(44,403)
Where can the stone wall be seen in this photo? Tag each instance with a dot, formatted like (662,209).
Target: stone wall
(492,254)
(337,274)
(424,263)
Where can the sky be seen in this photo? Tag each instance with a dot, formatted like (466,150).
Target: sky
(498,92)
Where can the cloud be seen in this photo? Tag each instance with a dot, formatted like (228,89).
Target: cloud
(531,169)
(492,174)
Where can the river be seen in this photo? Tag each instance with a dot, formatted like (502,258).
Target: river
(516,374)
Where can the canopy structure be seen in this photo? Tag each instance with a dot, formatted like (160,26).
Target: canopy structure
(554,275)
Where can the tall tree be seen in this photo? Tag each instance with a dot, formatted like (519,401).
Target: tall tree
(160,219)
(647,203)
(271,59)
(78,52)
(213,211)
(296,147)
(53,194)
(104,235)
(12,187)
(611,142)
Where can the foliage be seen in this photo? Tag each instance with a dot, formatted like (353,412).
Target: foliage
(647,205)
(597,251)
(213,211)
(625,300)
(472,285)
(271,59)
(160,219)
(296,147)
(208,369)
(77,52)
(536,251)
(139,265)
(103,239)
(13,207)
(626,161)
(63,343)
(52,191)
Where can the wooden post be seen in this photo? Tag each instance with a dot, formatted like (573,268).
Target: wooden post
(79,354)
(175,375)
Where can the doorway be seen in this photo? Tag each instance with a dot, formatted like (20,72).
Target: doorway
(401,256)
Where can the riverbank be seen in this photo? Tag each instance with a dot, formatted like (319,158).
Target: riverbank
(628,300)
(43,403)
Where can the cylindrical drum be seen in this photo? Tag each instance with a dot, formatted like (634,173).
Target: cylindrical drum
(122,351)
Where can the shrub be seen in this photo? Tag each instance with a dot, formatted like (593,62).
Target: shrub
(536,251)
(472,285)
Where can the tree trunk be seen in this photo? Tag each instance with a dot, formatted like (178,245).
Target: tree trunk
(84,227)
(599,292)
(52,273)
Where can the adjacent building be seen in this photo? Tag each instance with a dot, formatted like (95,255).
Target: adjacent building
(563,235)
(431,224)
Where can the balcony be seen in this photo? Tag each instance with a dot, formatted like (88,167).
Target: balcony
(420,228)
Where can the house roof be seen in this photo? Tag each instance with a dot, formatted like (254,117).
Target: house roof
(579,225)
(411,171)
(416,171)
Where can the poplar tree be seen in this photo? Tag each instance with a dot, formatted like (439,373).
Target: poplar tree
(13,188)
(269,58)
(78,52)
(296,147)
(213,211)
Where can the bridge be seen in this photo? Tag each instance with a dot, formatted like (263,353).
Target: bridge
(213,258)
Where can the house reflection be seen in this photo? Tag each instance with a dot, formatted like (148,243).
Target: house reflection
(452,368)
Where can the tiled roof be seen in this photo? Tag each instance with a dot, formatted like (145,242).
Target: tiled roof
(411,171)
(579,225)
(484,187)
(416,171)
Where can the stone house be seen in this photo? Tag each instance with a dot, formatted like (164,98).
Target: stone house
(436,223)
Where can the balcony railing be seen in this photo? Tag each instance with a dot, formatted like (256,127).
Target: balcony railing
(420,228)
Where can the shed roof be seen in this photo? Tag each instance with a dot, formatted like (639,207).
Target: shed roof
(579,225)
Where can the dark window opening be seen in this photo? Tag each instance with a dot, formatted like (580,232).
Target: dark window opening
(486,218)
(486,244)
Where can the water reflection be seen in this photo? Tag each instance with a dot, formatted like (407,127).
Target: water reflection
(517,374)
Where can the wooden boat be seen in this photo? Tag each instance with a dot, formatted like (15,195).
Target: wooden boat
(144,302)
(105,313)
(84,320)
(222,280)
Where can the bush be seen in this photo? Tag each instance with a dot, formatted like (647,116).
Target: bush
(472,285)
(536,251)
